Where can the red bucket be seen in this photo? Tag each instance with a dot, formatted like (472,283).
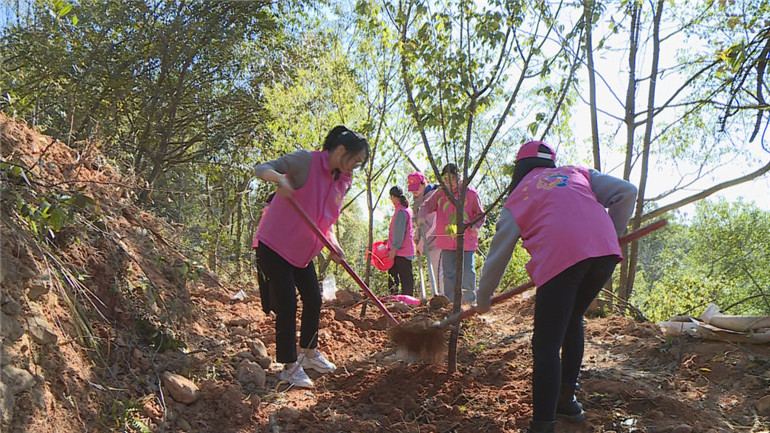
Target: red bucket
(379,256)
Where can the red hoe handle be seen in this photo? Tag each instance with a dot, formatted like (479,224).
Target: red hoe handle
(462,315)
(344,264)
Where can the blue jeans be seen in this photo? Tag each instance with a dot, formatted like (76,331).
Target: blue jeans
(448,263)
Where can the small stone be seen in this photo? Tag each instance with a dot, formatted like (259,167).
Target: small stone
(345,298)
(181,388)
(265,362)
(183,425)
(7,404)
(257,347)
(10,306)
(41,331)
(237,330)
(245,354)
(478,371)
(17,379)
(399,307)
(10,328)
(763,405)
(250,372)
(289,414)
(682,428)
(38,287)
(438,302)
(239,321)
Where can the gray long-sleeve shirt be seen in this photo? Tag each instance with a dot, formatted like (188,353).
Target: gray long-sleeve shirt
(295,164)
(399,230)
(617,195)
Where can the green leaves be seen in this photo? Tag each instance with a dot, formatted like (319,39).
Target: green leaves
(60,8)
(14,172)
(54,211)
(160,84)
(532,128)
(719,256)
(44,214)
(733,56)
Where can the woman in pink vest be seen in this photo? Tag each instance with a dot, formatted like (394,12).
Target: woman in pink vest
(318,181)
(401,245)
(446,232)
(569,219)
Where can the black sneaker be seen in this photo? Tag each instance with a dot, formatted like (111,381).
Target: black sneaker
(541,427)
(570,411)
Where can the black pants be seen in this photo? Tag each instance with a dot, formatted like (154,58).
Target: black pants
(559,307)
(283,279)
(263,284)
(400,274)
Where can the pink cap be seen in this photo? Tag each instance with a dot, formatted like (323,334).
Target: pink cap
(531,149)
(415,180)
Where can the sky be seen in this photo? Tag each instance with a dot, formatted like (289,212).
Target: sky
(613,66)
(663,174)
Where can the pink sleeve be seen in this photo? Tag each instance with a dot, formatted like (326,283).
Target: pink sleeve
(428,206)
(476,209)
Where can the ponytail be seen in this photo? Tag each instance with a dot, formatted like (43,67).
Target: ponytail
(399,194)
(524,166)
(330,142)
(352,141)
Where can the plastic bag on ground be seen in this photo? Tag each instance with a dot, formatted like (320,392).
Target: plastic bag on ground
(329,286)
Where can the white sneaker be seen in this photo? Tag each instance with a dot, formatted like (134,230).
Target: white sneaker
(298,378)
(315,360)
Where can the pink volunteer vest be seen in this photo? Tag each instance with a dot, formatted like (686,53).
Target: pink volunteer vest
(284,231)
(560,220)
(255,244)
(407,246)
(445,210)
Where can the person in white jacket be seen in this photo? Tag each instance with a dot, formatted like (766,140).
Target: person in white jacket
(425,227)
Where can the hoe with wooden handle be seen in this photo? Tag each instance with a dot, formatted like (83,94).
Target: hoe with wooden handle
(344,264)
(427,340)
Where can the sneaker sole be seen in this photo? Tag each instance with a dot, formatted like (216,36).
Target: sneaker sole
(572,419)
(318,370)
(297,385)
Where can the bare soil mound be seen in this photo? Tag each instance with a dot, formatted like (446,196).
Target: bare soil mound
(96,317)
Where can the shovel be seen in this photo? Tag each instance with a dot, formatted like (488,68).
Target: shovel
(344,264)
(431,272)
(427,340)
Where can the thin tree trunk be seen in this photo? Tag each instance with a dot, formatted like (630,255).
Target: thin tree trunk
(238,238)
(588,17)
(636,222)
(213,247)
(370,233)
(629,119)
(457,289)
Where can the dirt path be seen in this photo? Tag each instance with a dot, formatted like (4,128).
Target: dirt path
(633,379)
